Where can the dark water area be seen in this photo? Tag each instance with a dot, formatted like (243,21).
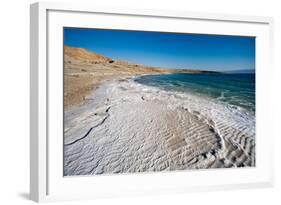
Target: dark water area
(237,90)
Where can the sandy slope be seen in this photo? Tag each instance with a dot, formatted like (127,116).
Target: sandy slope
(85,70)
(127,127)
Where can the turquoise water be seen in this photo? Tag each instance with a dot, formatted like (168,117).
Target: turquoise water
(237,90)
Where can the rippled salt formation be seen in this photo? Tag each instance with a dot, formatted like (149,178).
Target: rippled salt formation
(127,127)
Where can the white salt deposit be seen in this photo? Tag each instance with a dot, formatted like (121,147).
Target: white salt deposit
(128,127)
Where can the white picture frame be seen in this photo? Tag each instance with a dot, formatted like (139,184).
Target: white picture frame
(46,136)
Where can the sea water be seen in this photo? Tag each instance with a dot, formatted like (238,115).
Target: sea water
(236,90)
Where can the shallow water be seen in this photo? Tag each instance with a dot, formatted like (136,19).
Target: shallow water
(236,90)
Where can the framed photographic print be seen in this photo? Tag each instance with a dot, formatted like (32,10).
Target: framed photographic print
(128,101)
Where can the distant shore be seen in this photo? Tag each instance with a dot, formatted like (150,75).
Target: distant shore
(84,71)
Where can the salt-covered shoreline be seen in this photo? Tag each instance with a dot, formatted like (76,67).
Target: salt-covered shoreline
(128,127)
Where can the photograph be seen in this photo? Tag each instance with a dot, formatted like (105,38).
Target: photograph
(152,101)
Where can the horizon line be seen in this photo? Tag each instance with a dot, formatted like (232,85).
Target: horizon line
(172,68)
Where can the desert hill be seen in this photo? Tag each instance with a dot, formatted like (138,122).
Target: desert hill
(85,70)
(83,54)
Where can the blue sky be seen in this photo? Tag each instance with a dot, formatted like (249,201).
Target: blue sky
(169,50)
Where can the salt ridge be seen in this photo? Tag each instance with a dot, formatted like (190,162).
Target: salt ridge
(127,127)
